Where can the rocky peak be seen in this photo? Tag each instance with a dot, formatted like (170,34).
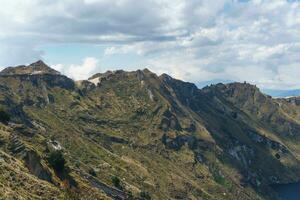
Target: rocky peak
(35,68)
(234,90)
(165,77)
(244,92)
(186,89)
(242,86)
(141,75)
(100,75)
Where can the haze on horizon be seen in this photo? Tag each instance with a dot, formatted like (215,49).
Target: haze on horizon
(257,41)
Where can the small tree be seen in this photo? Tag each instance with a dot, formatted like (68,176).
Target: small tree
(57,161)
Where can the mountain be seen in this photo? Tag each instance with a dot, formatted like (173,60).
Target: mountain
(272,92)
(38,67)
(213,82)
(282,93)
(137,135)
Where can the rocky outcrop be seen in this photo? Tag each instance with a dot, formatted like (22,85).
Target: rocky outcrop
(16,146)
(257,138)
(33,163)
(192,142)
(294,100)
(243,154)
(184,91)
(31,158)
(170,121)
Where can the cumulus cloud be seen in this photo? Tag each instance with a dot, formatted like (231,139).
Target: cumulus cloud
(81,71)
(195,40)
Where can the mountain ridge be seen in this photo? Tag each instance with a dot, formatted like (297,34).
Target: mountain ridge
(38,67)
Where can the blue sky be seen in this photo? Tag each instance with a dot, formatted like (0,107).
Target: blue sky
(69,54)
(257,41)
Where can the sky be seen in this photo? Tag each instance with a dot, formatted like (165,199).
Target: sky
(257,41)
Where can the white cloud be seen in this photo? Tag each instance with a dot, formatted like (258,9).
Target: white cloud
(79,72)
(58,67)
(288,75)
(196,40)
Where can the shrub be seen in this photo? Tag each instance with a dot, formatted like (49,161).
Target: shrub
(145,195)
(116,181)
(219,178)
(57,161)
(4,116)
(92,172)
(130,196)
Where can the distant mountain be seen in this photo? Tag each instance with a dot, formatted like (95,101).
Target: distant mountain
(136,135)
(282,93)
(213,82)
(271,92)
(38,67)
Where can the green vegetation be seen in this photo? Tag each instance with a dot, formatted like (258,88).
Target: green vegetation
(57,161)
(116,182)
(4,116)
(92,172)
(145,195)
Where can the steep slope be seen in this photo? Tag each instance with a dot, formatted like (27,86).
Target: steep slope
(138,135)
(258,151)
(280,116)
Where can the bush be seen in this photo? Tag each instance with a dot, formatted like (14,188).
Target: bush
(92,172)
(116,181)
(4,116)
(145,195)
(130,196)
(57,161)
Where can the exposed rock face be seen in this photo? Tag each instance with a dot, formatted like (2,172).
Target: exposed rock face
(169,121)
(33,163)
(184,91)
(242,153)
(268,142)
(294,100)
(270,111)
(16,146)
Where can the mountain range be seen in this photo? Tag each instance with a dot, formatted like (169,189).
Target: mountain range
(282,93)
(276,93)
(137,135)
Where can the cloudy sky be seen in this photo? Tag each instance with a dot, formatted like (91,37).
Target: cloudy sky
(195,40)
